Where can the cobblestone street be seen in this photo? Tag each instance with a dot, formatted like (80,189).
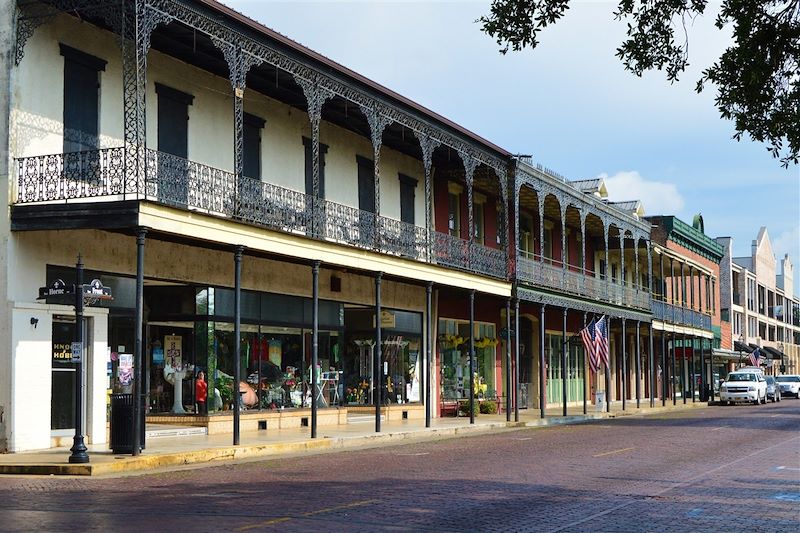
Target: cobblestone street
(715,469)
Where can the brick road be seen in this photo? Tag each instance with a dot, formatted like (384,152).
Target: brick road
(715,469)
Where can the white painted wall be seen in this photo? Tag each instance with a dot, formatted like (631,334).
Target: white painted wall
(37,104)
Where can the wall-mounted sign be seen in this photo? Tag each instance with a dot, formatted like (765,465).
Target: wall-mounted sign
(77,352)
(125,369)
(62,352)
(387,320)
(173,345)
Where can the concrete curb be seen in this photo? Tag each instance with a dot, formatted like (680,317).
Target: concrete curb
(211,456)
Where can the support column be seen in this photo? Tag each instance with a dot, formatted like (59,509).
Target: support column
(608,368)
(664,368)
(583,362)
(428,351)
(672,373)
(377,371)
(563,245)
(315,344)
(622,262)
(79,451)
(691,377)
(542,395)
(315,99)
(564,372)
(691,287)
(541,198)
(509,379)
(636,281)
(684,364)
(516,360)
(237,344)
(428,145)
(638,367)
(138,344)
(472,356)
(624,377)
(608,266)
(377,123)
(651,376)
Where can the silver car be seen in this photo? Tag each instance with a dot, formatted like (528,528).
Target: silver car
(790,385)
(773,390)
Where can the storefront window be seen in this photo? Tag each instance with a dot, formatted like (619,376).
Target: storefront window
(574,372)
(454,353)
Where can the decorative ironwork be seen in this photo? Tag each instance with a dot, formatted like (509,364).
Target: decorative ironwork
(674,314)
(377,124)
(185,184)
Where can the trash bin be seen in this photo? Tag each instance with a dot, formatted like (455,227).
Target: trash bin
(122,423)
(599,400)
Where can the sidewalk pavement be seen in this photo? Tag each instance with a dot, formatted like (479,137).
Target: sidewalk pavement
(173,452)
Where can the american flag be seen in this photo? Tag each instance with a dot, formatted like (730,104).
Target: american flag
(755,357)
(601,340)
(587,335)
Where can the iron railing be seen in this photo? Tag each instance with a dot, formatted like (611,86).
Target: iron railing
(581,283)
(179,182)
(674,314)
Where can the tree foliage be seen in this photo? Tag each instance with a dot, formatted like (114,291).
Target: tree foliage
(757,77)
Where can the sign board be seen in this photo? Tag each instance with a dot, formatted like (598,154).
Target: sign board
(77,352)
(58,293)
(387,320)
(96,290)
(125,369)
(173,345)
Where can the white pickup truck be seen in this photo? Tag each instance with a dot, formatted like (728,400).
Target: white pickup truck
(745,385)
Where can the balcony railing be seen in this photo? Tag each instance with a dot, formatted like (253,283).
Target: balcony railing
(581,283)
(99,175)
(680,315)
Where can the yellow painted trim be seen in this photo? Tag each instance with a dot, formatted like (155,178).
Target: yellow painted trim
(198,225)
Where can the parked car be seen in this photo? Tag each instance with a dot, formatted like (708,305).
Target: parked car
(744,386)
(773,389)
(790,385)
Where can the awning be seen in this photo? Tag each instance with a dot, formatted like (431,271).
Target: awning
(752,347)
(741,347)
(772,352)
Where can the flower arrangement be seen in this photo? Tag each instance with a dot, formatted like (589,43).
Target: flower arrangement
(480,385)
(451,341)
(486,342)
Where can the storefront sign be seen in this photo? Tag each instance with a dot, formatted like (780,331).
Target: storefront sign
(174,351)
(62,352)
(125,369)
(387,319)
(77,352)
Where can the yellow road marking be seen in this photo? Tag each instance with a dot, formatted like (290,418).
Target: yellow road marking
(613,452)
(310,513)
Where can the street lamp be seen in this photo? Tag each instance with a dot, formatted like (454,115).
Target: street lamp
(741,345)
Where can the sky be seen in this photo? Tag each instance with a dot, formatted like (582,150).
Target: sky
(569,103)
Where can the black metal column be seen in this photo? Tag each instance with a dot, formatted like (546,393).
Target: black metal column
(237,340)
(138,344)
(509,379)
(314,344)
(638,367)
(624,366)
(663,368)
(651,375)
(428,351)
(691,372)
(608,369)
(377,371)
(583,363)
(542,395)
(79,452)
(516,360)
(472,356)
(684,370)
(672,371)
(564,349)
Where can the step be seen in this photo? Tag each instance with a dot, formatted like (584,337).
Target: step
(175,431)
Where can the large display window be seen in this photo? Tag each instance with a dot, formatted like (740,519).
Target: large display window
(454,354)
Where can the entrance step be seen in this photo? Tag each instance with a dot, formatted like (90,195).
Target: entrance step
(159,431)
(362,419)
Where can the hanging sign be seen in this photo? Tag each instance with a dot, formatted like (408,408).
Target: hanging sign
(125,369)
(174,351)
(387,320)
(57,293)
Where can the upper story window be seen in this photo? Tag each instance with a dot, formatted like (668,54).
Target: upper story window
(762,300)
(525,234)
(751,295)
(408,186)
(81,99)
(479,218)
(454,191)
(251,160)
(547,248)
(366,184)
(173,120)
(309,167)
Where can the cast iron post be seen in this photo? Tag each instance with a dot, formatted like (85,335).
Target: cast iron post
(138,347)
(472,356)
(237,341)
(79,453)
(314,344)
(377,370)
(509,379)
(428,352)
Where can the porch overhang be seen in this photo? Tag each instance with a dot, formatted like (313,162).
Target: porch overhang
(561,300)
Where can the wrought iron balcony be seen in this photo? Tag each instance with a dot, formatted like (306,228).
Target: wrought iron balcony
(551,274)
(674,314)
(100,175)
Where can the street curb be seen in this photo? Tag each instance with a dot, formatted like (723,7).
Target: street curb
(211,456)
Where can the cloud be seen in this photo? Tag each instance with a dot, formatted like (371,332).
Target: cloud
(788,242)
(658,198)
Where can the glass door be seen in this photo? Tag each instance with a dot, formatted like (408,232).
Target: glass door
(64,373)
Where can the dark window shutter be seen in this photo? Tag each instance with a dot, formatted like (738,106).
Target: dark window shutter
(173,120)
(366,184)
(81,99)
(251,162)
(407,187)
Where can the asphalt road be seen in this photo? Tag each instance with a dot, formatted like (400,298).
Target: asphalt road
(717,469)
